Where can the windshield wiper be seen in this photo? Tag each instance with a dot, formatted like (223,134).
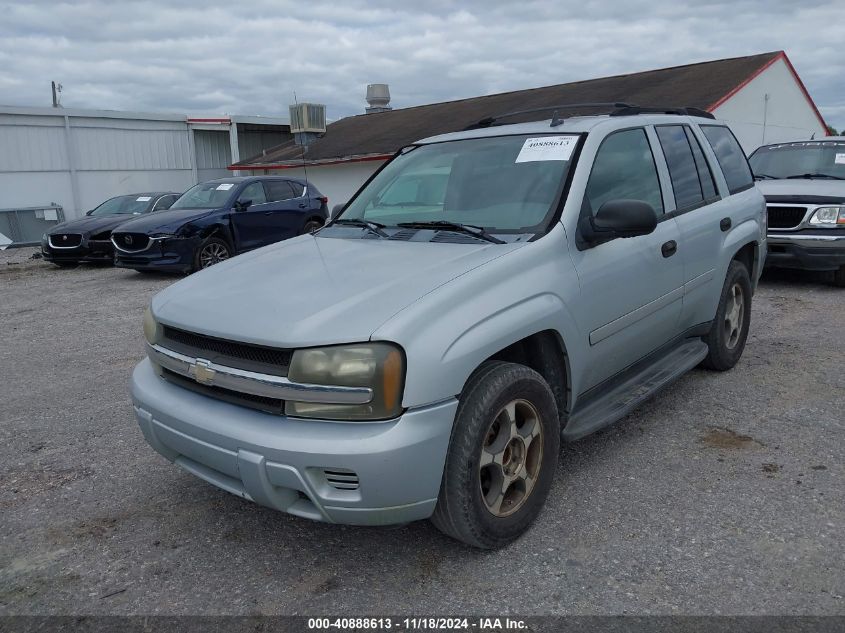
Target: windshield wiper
(764,177)
(470,229)
(372,227)
(817,176)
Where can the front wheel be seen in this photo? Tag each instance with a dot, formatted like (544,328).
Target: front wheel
(727,336)
(212,251)
(501,458)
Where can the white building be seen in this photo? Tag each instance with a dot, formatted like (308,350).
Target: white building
(75,159)
(761,97)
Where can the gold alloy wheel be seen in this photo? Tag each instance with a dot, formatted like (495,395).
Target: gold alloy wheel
(734,316)
(511,456)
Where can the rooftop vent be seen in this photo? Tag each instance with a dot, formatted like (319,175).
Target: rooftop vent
(378,96)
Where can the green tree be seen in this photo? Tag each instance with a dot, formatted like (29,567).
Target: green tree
(832,131)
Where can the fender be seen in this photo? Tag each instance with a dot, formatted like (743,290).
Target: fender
(458,326)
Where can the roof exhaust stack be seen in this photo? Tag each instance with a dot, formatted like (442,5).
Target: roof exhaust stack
(378,96)
(307,122)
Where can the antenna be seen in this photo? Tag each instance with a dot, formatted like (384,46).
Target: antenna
(304,166)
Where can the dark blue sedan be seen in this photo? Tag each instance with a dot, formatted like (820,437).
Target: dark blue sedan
(218,219)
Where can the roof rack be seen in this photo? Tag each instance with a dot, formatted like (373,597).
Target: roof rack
(617,108)
(632,110)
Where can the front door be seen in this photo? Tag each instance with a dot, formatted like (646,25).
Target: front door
(631,288)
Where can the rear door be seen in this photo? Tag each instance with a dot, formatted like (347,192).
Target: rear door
(631,288)
(284,211)
(698,208)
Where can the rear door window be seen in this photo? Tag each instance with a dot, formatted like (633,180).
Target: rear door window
(705,175)
(298,189)
(624,168)
(279,190)
(682,168)
(730,156)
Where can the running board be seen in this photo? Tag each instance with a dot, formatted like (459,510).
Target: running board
(606,408)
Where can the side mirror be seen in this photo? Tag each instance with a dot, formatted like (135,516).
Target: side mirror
(336,209)
(619,218)
(243,205)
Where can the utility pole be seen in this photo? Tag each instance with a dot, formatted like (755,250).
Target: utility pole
(57,88)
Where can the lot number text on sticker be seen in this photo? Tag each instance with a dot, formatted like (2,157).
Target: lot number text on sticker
(547,148)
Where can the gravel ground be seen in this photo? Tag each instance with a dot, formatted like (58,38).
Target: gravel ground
(725,495)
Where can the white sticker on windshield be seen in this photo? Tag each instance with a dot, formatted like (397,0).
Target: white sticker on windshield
(225,186)
(547,148)
(840,159)
(143,198)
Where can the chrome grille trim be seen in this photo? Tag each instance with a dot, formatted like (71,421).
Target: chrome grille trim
(75,245)
(211,374)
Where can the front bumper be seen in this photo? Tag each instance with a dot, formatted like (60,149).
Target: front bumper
(170,255)
(280,462)
(819,250)
(88,251)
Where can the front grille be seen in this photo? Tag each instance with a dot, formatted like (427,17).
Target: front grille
(262,403)
(132,242)
(65,240)
(341,479)
(785,217)
(258,358)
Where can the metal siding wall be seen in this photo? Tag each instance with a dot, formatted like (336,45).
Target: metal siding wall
(212,149)
(252,143)
(104,149)
(25,148)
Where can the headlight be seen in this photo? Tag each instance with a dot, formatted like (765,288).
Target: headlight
(828,217)
(379,366)
(152,328)
(162,236)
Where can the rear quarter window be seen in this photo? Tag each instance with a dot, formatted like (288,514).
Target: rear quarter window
(731,158)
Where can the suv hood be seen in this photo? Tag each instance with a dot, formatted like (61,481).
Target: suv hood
(164,221)
(803,189)
(315,290)
(91,224)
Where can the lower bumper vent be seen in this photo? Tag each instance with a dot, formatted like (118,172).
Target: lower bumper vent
(342,479)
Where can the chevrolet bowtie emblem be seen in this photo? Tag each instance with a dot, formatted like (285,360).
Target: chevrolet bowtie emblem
(202,372)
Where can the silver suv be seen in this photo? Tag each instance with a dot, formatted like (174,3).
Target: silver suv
(804,186)
(484,296)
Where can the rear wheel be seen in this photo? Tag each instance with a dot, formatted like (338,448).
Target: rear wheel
(501,458)
(311,226)
(729,331)
(212,251)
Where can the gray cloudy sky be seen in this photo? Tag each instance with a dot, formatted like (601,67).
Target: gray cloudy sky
(248,58)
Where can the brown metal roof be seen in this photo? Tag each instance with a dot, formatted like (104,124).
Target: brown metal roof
(372,136)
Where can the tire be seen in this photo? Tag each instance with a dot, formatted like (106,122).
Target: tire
(839,277)
(729,332)
(211,251)
(311,226)
(490,506)
(66,264)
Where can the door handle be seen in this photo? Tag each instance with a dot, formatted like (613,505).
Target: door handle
(268,213)
(725,224)
(669,248)
(302,205)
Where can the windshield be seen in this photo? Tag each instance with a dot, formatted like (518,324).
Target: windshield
(824,158)
(505,183)
(123,204)
(206,195)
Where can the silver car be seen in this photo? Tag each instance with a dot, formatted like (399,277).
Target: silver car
(485,296)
